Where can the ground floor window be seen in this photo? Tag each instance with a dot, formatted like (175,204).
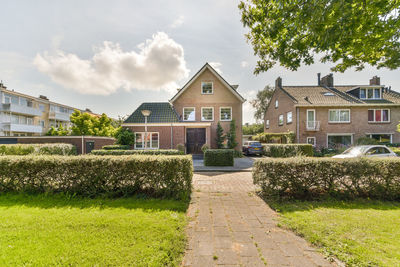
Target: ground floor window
(381,138)
(339,140)
(149,142)
(311,141)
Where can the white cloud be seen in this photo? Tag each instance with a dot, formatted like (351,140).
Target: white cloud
(244,64)
(159,65)
(216,66)
(178,22)
(248,109)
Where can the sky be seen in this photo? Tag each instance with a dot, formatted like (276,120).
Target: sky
(110,56)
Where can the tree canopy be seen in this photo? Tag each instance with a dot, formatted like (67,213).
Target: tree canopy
(260,103)
(349,33)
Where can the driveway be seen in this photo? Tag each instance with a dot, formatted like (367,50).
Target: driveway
(244,164)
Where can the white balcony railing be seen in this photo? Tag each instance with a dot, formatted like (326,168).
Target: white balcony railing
(21,109)
(59,116)
(24,128)
(312,125)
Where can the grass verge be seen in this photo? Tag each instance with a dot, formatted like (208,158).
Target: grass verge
(46,230)
(359,233)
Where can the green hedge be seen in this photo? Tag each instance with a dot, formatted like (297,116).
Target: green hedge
(287,150)
(116,147)
(307,178)
(219,157)
(101,152)
(396,150)
(38,149)
(166,176)
(287,137)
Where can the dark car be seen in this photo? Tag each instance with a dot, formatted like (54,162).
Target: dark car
(252,148)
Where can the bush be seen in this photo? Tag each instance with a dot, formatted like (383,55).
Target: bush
(125,136)
(116,147)
(396,150)
(219,157)
(307,178)
(237,154)
(38,149)
(101,152)
(287,150)
(204,148)
(366,141)
(167,176)
(181,148)
(285,138)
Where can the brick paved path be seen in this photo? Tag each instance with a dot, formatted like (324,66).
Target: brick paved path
(231,226)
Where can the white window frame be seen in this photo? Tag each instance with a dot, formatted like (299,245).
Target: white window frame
(151,140)
(315,118)
(390,134)
(212,88)
(314,142)
(339,110)
(381,109)
(287,117)
(339,134)
(266,124)
(276,103)
(212,108)
(183,114)
(220,114)
(373,93)
(283,120)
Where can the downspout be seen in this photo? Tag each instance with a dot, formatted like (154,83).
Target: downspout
(297,125)
(83,151)
(172,140)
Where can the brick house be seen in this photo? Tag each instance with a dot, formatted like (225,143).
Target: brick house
(190,118)
(328,115)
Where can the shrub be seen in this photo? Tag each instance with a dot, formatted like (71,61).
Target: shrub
(219,157)
(220,136)
(101,152)
(306,178)
(287,150)
(167,176)
(366,141)
(237,154)
(38,149)
(181,148)
(116,147)
(396,150)
(125,136)
(285,138)
(204,148)
(231,136)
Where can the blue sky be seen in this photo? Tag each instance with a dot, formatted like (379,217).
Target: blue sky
(110,56)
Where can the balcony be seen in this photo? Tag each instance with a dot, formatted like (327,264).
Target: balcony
(58,116)
(25,128)
(20,109)
(312,126)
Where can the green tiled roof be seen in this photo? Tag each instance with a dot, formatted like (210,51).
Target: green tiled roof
(160,112)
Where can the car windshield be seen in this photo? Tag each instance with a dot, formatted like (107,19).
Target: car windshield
(354,151)
(255,144)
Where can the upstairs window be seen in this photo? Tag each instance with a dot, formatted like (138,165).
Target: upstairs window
(370,93)
(339,115)
(289,118)
(207,114)
(276,103)
(267,124)
(226,114)
(280,120)
(207,88)
(189,114)
(378,115)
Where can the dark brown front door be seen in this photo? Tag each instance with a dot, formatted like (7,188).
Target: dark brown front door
(195,139)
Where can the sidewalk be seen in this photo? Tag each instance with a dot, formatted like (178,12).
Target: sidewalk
(231,226)
(241,164)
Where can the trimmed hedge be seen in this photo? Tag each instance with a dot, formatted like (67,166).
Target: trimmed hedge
(396,150)
(116,147)
(286,138)
(287,150)
(38,149)
(307,178)
(219,157)
(166,176)
(101,152)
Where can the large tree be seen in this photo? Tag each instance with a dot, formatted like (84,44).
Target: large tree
(261,101)
(88,124)
(350,33)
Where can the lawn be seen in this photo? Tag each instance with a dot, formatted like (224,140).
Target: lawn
(360,233)
(53,230)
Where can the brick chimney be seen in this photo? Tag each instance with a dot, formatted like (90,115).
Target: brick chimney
(319,78)
(375,80)
(327,80)
(278,82)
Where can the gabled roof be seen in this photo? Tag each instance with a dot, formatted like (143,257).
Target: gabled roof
(232,88)
(160,112)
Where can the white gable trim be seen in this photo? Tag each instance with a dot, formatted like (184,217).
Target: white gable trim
(207,66)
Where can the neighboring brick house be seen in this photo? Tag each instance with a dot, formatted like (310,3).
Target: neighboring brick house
(190,118)
(328,115)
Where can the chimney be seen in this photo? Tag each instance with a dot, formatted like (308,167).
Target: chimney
(278,82)
(43,97)
(375,80)
(319,78)
(327,80)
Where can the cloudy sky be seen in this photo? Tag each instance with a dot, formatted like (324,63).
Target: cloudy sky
(110,56)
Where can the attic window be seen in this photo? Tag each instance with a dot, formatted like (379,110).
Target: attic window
(328,94)
(206,88)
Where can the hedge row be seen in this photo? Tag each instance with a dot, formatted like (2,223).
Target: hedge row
(307,178)
(38,149)
(287,137)
(116,147)
(101,152)
(219,157)
(167,176)
(287,150)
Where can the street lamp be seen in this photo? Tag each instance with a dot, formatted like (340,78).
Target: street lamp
(145,113)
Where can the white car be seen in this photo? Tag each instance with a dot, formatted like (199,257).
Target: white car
(366,151)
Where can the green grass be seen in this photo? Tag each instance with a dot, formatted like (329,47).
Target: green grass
(59,230)
(360,233)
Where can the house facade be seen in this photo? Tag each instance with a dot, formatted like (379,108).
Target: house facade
(329,115)
(190,118)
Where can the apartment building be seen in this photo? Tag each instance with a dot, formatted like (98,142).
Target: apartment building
(24,115)
(329,115)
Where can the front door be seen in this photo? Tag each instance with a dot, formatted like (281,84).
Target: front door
(195,139)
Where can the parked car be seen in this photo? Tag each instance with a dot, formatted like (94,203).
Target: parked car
(252,148)
(366,151)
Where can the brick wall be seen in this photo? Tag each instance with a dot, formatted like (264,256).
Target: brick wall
(178,133)
(285,105)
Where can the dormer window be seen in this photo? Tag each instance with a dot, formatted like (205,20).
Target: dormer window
(207,88)
(370,93)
